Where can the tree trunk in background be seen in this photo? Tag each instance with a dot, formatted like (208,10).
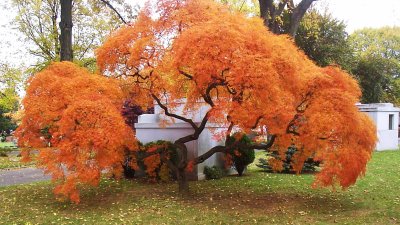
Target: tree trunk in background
(66,30)
(271,11)
(297,15)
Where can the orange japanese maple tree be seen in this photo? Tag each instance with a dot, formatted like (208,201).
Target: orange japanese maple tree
(250,78)
(74,119)
(200,51)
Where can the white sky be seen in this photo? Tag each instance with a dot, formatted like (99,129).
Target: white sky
(364,13)
(356,14)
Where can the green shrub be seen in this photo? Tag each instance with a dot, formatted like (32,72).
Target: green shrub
(172,150)
(309,165)
(240,153)
(162,171)
(129,172)
(213,172)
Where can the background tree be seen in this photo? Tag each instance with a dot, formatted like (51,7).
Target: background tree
(324,39)
(378,63)
(280,16)
(66,31)
(38,21)
(275,12)
(10,81)
(199,51)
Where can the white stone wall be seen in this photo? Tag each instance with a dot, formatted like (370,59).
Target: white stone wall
(148,129)
(379,112)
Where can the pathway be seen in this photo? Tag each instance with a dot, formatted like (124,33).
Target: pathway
(21,176)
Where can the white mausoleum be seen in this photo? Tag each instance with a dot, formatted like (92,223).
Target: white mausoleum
(386,118)
(150,128)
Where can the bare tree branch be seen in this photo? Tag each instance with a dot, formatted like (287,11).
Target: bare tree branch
(113,9)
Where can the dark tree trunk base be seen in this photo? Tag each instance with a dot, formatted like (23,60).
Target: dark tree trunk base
(182,182)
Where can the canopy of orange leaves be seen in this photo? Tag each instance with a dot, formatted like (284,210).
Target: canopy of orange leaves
(200,50)
(74,118)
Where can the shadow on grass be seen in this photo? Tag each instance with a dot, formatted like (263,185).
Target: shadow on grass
(209,195)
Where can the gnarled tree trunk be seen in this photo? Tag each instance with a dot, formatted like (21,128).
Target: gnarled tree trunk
(181,167)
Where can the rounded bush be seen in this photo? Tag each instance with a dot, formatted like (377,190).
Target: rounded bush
(213,172)
(240,153)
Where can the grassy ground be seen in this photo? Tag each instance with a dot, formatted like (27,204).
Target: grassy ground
(257,198)
(6,144)
(12,162)
(8,160)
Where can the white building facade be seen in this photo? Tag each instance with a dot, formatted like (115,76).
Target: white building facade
(386,118)
(158,126)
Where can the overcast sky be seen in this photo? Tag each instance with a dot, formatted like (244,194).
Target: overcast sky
(364,13)
(356,14)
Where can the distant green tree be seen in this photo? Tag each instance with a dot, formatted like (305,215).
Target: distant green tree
(324,39)
(10,79)
(378,63)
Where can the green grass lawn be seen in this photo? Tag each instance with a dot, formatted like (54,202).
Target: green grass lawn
(6,144)
(14,162)
(10,161)
(257,198)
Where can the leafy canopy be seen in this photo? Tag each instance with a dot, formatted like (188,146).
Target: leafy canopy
(324,39)
(74,118)
(201,50)
(10,82)
(378,65)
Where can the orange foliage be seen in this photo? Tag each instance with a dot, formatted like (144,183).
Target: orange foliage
(276,164)
(73,118)
(152,164)
(189,167)
(198,49)
(228,161)
(155,166)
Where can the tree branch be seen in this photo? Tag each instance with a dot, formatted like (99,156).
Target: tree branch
(209,153)
(197,131)
(264,146)
(113,9)
(186,74)
(229,131)
(173,114)
(256,123)
(220,148)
